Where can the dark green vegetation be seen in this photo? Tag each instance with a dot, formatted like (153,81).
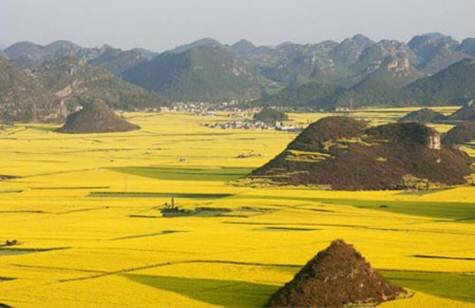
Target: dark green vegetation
(338,276)
(342,153)
(307,96)
(118,61)
(423,116)
(62,75)
(270,116)
(458,211)
(436,51)
(7,177)
(22,251)
(95,117)
(48,91)
(456,286)
(197,212)
(294,64)
(208,72)
(444,257)
(387,73)
(356,72)
(75,82)
(286,229)
(448,85)
(23,98)
(26,54)
(388,86)
(186,174)
(381,88)
(225,293)
(313,138)
(111,194)
(460,134)
(374,73)
(6,279)
(131,237)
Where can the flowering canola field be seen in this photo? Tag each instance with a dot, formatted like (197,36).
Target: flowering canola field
(85,212)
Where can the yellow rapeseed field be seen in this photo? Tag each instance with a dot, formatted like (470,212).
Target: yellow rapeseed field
(85,211)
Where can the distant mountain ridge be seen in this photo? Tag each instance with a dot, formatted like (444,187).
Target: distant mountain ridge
(365,72)
(435,51)
(27,54)
(351,61)
(118,61)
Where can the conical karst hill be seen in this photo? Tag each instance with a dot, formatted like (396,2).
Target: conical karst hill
(423,116)
(96,117)
(336,277)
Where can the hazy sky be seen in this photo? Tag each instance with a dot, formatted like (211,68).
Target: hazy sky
(164,24)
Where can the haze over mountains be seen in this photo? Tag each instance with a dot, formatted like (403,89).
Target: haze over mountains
(430,69)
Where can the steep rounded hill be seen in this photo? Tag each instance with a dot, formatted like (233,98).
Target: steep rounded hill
(270,116)
(338,276)
(423,116)
(95,117)
(344,154)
